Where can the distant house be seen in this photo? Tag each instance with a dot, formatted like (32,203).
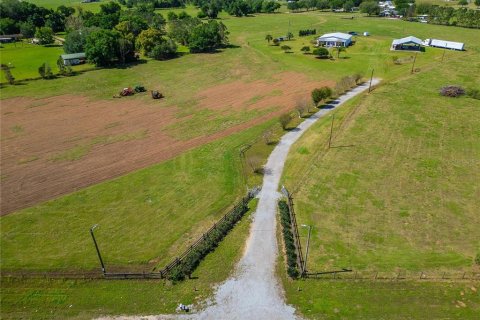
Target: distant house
(336,39)
(408,43)
(460,46)
(5,38)
(73,58)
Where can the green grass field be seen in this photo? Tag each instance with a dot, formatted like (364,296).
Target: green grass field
(399,190)
(25,59)
(84,299)
(54,4)
(132,211)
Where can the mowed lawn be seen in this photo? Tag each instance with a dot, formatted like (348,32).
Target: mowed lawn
(400,188)
(25,59)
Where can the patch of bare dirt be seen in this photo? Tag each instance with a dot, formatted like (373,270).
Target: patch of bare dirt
(283,90)
(54,146)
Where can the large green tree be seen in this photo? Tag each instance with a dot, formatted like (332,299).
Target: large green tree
(101,47)
(44,35)
(148,39)
(75,40)
(370,8)
(208,37)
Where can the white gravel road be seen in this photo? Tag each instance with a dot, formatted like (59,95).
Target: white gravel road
(253,292)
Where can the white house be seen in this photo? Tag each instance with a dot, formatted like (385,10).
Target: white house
(408,43)
(336,39)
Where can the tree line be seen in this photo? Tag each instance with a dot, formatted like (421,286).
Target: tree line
(308,5)
(307,32)
(114,35)
(160,4)
(238,8)
(461,17)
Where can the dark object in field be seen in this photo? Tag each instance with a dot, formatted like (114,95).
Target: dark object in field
(156,94)
(452,91)
(139,88)
(127,92)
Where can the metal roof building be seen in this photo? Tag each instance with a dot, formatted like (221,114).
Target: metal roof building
(335,39)
(444,44)
(73,58)
(408,43)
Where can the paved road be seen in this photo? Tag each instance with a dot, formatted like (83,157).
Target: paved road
(253,292)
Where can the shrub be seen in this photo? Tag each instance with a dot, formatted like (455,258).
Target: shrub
(288,240)
(44,35)
(286,48)
(284,120)
(276,42)
(452,91)
(321,94)
(321,53)
(164,50)
(305,49)
(358,78)
(45,71)
(8,74)
(293,272)
(209,242)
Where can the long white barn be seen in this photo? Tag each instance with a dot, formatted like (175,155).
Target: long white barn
(444,44)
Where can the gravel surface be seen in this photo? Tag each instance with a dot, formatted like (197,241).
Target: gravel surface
(253,292)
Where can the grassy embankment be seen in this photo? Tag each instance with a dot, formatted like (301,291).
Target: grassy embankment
(398,192)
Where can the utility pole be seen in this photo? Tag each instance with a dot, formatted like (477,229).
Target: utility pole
(331,132)
(413,64)
(370,86)
(96,247)
(308,246)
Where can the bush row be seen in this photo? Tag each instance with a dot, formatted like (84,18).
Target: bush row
(347,83)
(307,32)
(209,242)
(292,267)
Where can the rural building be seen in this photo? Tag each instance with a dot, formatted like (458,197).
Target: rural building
(5,38)
(408,43)
(73,59)
(336,39)
(460,46)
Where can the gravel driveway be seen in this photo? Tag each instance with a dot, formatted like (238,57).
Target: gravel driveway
(253,292)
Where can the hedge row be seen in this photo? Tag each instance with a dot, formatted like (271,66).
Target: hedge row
(209,242)
(307,32)
(292,267)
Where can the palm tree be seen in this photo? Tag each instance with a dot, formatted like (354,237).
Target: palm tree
(269,38)
(340,49)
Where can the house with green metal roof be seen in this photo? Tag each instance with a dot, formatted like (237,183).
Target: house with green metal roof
(73,59)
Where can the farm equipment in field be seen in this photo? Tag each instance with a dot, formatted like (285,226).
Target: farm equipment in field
(127,92)
(156,94)
(139,88)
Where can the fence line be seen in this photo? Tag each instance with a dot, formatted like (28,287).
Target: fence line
(351,275)
(296,236)
(133,275)
(243,202)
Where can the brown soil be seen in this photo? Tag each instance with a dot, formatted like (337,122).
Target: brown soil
(94,141)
